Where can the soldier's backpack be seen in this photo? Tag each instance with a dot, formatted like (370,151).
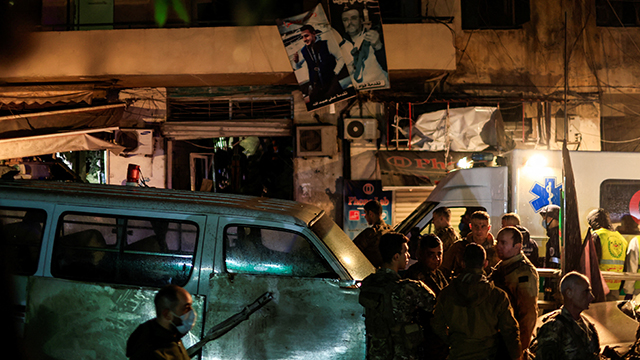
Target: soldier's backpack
(375,297)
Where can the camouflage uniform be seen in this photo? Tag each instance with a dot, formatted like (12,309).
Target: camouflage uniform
(433,345)
(519,278)
(448,236)
(393,308)
(475,318)
(367,241)
(435,280)
(562,338)
(452,259)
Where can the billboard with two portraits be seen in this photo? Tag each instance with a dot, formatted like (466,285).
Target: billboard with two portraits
(333,60)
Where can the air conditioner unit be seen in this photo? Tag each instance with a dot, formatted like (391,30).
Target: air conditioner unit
(365,129)
(135,141)
(318,140)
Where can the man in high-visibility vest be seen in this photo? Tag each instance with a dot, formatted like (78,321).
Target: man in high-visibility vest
(611,248)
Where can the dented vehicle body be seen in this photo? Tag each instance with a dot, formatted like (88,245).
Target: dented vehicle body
(88,260)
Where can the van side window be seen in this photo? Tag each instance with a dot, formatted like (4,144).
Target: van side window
(254,250)
(620,197)
(22,232)
(124,250)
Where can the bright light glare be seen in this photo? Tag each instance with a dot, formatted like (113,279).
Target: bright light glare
(465,163)
(537,161)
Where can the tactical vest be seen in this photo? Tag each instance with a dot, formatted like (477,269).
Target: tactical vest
(380,323)
(614,251)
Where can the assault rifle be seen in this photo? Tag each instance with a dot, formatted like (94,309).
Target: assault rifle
(225,326)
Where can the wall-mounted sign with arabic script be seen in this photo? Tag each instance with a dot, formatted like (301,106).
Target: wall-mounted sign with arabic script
(415,168)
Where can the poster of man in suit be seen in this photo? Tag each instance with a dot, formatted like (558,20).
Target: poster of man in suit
(316,58)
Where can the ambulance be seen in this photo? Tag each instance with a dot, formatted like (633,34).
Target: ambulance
(524,181)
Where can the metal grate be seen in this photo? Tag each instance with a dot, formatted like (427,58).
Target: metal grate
(230,109)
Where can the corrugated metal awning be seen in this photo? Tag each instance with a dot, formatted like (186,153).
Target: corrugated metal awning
(52,143)
(192,130)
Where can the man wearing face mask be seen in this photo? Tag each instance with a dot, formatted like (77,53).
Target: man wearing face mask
(550,221)
(159,338)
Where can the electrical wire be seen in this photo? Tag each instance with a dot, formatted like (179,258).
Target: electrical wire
(201,146)
(620,141)
(622,24)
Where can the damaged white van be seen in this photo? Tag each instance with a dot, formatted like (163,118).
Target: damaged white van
(88,259)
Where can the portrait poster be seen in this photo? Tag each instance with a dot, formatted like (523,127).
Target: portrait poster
(359,25)
(316,58)
(356,194)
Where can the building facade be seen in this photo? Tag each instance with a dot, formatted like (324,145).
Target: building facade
(225,76)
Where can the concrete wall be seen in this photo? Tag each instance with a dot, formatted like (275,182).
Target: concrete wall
(529,63)
(220,56)
(153,168)
(318,180)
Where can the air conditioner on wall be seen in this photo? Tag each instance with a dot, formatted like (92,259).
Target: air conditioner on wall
(364,129)
(317,140)
(135,141)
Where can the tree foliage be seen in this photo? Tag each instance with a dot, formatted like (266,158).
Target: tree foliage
(162,11)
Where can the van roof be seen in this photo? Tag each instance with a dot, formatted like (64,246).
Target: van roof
(129,197)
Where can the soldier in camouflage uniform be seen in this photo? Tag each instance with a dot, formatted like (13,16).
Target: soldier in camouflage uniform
(516,275)
(394,307)
(367,241)
(426,270)
(529,246)
(474,317)
(565,333)
(443,228)
(480,227)
(429,260)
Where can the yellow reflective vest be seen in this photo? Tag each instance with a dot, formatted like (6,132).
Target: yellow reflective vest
(614,251)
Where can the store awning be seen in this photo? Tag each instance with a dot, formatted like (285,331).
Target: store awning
(52,143)
(61,120)
(42,94)
(192,130)
(409,169)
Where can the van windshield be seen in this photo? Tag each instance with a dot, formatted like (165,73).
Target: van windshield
(414,219)
(356,264)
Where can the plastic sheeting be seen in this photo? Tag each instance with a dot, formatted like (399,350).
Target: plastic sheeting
(470,129)
(49,144)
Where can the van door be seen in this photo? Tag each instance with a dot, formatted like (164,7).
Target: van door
(314,313)
(23,225)
(103,269)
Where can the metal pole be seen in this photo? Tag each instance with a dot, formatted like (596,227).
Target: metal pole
(564,175)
